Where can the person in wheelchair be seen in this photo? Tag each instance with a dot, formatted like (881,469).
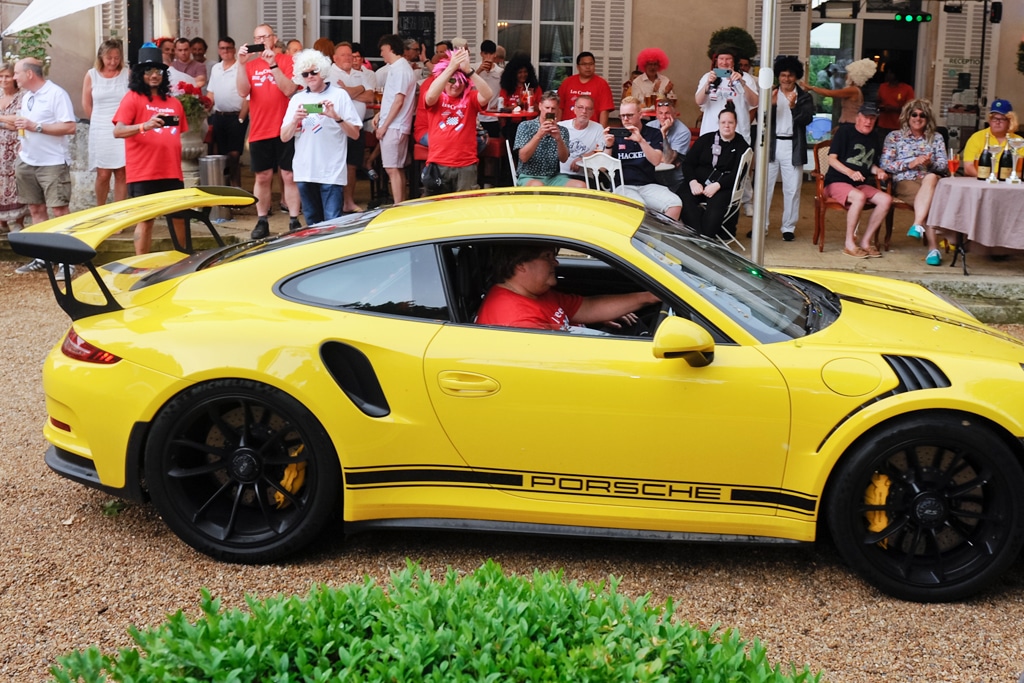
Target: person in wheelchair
(709,173)
(524,295)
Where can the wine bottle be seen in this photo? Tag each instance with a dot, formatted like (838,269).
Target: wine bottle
(985,161)
(1005,163)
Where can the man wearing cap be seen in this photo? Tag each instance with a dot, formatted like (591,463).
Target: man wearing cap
(852,158)
(1002,124)
(45,123)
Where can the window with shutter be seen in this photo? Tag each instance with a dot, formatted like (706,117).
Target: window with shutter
(190,19)
(958,62)
(792,29)
(461,19)
(284,16)
(606,29)
(113,21)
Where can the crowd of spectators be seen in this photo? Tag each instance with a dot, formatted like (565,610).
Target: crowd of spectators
(319,118)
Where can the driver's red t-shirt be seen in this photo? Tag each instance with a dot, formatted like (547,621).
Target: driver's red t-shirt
(550,311)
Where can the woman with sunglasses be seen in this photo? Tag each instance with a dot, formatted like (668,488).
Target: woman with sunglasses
(915,156)
(151,122)
(1002,124)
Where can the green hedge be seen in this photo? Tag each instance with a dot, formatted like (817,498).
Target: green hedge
(482,627)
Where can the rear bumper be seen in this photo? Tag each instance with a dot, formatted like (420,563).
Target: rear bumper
(83,470)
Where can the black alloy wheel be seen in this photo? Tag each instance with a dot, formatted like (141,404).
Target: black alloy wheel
(929,509)
(241,471)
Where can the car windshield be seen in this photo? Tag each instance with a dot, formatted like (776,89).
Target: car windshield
(769,306)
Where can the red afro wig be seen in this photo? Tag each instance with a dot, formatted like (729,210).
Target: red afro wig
(652,54)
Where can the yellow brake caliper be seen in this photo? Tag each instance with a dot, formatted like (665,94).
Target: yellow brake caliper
(876,494)
(293,479)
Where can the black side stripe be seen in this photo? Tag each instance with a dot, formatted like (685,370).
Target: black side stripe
(773,498)
(450,476)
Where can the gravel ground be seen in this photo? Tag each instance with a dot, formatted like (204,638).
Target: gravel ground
(72,577)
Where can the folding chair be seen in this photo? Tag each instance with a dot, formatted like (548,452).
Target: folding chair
(595,163)
(737,197)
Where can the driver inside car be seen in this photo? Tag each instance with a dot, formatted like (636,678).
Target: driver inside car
(524,295)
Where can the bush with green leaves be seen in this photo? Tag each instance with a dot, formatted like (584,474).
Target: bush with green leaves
(32,42)
(484,626)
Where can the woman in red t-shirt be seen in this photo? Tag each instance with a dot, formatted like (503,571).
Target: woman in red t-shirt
(151,122)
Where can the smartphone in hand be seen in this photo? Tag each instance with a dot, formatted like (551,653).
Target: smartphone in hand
(314,108)
(550,116)
(723,73)
(168,119)
(255,48)
(619,132)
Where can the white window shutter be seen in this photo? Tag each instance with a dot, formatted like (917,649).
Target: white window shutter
(606,29)
(417,6)
(461,19)
(959,51)
(284,16)
(190,19)
(792,30)
(112,22)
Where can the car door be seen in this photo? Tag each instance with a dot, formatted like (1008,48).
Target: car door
(599,419)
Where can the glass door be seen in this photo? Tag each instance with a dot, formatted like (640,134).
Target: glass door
(834,44)
(544,31)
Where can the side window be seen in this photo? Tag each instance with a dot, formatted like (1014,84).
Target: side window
(405,282)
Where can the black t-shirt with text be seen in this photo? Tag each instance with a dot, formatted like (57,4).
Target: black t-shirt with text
(857,151)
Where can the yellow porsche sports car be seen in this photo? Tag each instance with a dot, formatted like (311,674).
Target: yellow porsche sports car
(252,390)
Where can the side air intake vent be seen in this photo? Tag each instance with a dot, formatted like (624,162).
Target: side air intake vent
(916,373)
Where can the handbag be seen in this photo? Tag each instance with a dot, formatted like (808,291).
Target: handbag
(431,177)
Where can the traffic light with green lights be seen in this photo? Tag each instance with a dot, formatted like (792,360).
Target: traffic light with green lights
(913,17)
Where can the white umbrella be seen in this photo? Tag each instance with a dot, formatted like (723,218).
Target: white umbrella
(42,11)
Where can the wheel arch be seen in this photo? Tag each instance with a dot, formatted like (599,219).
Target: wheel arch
(1015,445)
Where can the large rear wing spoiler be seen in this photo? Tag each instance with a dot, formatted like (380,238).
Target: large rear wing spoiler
(73,239)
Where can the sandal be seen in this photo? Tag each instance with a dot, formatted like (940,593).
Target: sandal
(872,252)
(856,252)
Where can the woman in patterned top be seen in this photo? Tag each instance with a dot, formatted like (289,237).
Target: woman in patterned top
(915,155)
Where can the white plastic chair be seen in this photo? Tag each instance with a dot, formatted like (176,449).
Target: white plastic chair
(737,197)
(595,163)
(511,163)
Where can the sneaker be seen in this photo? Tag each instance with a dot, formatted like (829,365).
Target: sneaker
(788,236)
(33,266)
(372,174)
(916,231)
(59,273)
(934,258)
(261,230)
(294,224)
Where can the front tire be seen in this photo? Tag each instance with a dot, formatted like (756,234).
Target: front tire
(929,509)
(241,471)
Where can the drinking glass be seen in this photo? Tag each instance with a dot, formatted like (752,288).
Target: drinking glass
(953,160)
(1015,145)
(994,150)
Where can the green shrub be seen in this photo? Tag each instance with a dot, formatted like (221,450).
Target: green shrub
(482,627)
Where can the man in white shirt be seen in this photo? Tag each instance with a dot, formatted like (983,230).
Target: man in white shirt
(45,123)
(393,122)
(230,110)
(724,83)
(585,136)
(352,81)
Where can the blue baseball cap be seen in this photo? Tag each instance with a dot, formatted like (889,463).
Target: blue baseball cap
(1001,107)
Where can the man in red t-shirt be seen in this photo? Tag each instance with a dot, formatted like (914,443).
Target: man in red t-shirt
(266,79)
(452,107)
(586,82)
(524,296)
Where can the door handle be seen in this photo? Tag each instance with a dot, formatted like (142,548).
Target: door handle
(467,384)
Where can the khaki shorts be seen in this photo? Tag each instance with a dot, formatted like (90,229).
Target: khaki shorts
(394,149)
(49,185)
(907,190)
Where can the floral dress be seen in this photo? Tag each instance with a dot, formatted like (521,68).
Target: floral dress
(10,208)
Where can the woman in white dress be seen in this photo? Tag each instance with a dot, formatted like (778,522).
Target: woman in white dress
(104,87)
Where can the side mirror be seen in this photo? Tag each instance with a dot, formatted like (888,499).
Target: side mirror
(681,338)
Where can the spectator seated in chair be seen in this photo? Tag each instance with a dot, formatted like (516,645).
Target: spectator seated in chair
(709,172)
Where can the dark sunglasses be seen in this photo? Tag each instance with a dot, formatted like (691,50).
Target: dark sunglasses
(663,103)
(307,74)
(918,115)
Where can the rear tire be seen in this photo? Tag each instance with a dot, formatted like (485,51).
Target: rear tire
(930,508)
(241,471)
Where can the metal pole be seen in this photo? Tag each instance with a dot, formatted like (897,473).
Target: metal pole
(981,67)
(765,80)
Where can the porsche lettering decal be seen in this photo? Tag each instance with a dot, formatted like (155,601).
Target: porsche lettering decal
(583,485)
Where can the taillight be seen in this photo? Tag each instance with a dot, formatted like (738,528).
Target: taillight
(79,349)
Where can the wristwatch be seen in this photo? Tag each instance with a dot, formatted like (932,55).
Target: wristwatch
(39,128)
(273,66)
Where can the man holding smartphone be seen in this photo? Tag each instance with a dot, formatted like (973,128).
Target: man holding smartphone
(266,79)
(543,145)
